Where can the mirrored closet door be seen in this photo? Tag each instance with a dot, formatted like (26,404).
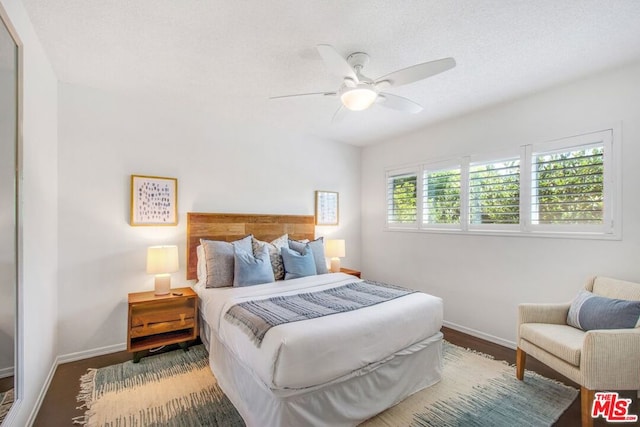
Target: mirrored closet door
(8,213)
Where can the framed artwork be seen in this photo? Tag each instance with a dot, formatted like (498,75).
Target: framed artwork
(154,200)
(326,208)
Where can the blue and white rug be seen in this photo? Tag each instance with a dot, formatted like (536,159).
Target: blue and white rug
(478,391)
(178,389)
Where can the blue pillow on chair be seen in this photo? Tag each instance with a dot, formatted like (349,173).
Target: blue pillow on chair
(251,270)
(589,311)
(297,264)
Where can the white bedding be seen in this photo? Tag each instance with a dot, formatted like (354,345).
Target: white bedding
(314,352)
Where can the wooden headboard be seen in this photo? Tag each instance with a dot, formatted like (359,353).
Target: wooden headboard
(230,227)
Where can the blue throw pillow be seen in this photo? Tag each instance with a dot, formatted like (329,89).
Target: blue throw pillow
(251,270)
(317,248)
(589,311)
(296,264)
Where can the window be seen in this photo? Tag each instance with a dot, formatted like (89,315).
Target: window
(494,192)
(441,197)
(572,184)
(567,186)
(402,197)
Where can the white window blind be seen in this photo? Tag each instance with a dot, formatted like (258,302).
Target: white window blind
(441,196)
(568,186)
(402,195)
(494,192)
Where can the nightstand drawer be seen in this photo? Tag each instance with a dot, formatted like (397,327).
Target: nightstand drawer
(143,314)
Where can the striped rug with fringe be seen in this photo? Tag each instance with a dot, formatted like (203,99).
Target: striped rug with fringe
(178,389)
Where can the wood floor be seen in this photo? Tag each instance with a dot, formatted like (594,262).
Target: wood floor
(59,405)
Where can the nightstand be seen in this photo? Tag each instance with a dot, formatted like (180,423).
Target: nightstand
(351,272)
(157,320)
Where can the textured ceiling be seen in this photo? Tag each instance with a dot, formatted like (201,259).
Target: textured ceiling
(231,56)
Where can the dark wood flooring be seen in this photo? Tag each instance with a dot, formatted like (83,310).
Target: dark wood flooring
(59,405)
(6,383)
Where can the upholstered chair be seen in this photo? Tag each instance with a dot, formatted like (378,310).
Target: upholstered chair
(598,360)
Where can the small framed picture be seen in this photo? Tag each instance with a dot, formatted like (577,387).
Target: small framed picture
(326,208)
(154,200)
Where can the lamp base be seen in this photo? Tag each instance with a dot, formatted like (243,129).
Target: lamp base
(335,265)
(163,284)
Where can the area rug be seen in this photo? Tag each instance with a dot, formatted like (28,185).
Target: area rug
(178,389)
(6,401)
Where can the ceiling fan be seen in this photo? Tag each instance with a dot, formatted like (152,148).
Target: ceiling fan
(359,92)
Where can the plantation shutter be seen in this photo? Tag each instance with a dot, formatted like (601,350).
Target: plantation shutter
(441,196)
(402,194)
(568,186)
(494,192)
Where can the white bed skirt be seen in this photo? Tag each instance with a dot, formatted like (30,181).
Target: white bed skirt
(346,401)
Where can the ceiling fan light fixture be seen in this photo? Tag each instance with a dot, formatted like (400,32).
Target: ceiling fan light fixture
(358,98)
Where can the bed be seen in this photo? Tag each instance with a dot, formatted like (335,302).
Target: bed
(333,370)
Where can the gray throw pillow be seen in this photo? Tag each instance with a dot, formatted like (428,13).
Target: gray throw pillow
(274,253)
(219,260)
(298,265)
(317,248)
(251,270)
(589,311)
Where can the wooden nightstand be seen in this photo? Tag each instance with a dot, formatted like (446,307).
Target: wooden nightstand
(351,272)
(157,320)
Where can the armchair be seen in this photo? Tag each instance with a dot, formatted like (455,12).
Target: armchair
(604,359)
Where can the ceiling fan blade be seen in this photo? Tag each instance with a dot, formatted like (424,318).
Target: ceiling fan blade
(399,103)
(304,94)
(339,114)
(335,62)
(417,72)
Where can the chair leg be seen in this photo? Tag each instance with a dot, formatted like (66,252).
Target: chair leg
(586,401)
(521,359)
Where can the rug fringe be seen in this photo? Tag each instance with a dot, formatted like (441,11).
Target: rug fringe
(87,386)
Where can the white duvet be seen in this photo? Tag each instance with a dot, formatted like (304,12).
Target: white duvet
(313,352)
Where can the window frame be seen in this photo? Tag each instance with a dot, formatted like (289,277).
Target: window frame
(399,173)
(460,163)
(574,143)
(610,229)
(497,157)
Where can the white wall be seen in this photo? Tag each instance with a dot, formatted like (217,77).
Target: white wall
(105,137)
(39,217)
(483,278)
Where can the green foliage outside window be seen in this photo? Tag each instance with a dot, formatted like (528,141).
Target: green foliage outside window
(442,197)
(403,200)
(569,187)
(494,193)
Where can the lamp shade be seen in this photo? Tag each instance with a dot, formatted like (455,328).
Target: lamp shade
(334,248)
(162,259)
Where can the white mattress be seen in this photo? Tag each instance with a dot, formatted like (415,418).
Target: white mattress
(314,352)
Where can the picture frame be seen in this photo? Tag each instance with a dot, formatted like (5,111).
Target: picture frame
(327,208)
(154,201)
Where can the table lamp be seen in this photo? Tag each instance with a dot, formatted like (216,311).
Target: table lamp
(162,261)
(334,249)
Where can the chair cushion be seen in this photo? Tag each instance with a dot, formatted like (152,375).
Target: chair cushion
(614,288)
(589,311)
(563,341)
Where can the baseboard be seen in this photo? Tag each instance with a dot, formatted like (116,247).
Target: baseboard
(6,372)
(100,351)
(65,358)
(482,335)
(42,394)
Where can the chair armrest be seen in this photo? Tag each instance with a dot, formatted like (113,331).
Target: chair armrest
(543,313)
(611,359)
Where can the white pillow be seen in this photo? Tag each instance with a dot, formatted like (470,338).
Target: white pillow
(202,265)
